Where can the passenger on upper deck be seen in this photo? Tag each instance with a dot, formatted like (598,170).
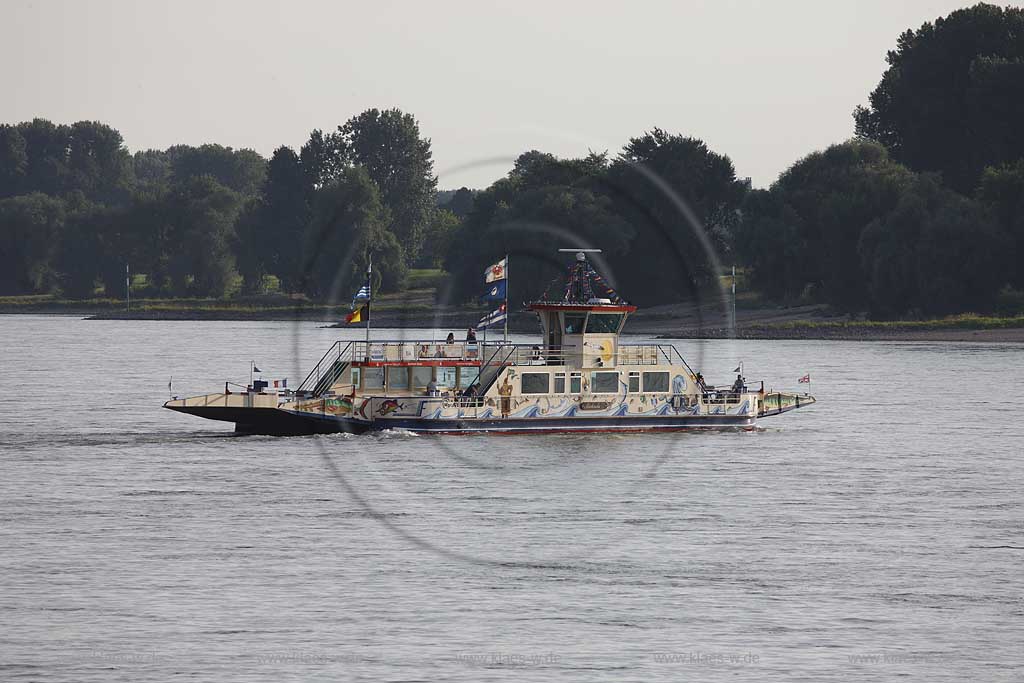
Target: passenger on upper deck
(470,334)
(738,386)
(451,338)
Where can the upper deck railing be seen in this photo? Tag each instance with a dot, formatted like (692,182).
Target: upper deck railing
(328,370)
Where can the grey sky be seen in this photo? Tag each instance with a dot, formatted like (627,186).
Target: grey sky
(764,82)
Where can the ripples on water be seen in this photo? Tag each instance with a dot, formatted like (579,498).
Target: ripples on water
(876,534)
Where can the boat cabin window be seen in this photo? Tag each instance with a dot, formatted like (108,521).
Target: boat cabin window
(634,382)
(467,375)
(373,378)
(559,383)
(421,376)
(604,323)
(355,376)
(575,379)
(398,378)
(574,323)
(604,382)
(656,382)
(446,378)
(535,382)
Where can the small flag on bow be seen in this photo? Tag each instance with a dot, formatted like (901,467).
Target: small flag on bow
(806,379)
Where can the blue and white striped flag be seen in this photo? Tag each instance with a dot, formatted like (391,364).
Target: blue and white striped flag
(363,294)
(492,318)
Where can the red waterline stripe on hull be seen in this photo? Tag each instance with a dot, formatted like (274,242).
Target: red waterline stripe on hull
(585,430)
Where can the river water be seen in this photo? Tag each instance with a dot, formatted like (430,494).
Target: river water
(876,534)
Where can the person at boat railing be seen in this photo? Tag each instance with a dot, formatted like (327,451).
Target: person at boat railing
(432,388)
(738,385)
(699,378)
(471,335)
(536,357)
(451,338)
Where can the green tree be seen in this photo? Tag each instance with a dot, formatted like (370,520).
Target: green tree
(31,228)
(1002,190)
(199,236)
(813,220)
(952,98)
(271,229)
(151,171)
(324,158)
(88,250)
(772,241)
(46,146)
(97,164)
(349,226)
(651,174)
(461,202)
(441,230)
(242,171)
(13,160)
(388,145)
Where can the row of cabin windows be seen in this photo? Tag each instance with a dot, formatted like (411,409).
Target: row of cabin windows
(600,382)
(415,377)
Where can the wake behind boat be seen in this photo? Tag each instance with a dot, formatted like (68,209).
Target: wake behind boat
(579,377)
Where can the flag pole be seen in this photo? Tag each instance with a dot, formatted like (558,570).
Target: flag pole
(506,298)
(369,298)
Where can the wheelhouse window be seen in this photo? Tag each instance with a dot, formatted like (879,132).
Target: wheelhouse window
(605,323)
(356,375)
(373,378)
(656,382)
(575,380)
(398,378)
(421,376)
(574,323)
(535,382)
(634,382)
(604,382)
(559,383)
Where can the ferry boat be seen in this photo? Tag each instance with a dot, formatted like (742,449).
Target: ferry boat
(580,376)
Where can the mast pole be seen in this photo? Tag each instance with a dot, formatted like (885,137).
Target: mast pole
(369,298)
(127,288)
(734,300)
(506,298)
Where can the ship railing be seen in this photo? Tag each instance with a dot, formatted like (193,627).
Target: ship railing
(410,351)
(721,397)
(328,369)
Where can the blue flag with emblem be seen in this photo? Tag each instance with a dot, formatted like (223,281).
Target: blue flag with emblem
(496,292)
